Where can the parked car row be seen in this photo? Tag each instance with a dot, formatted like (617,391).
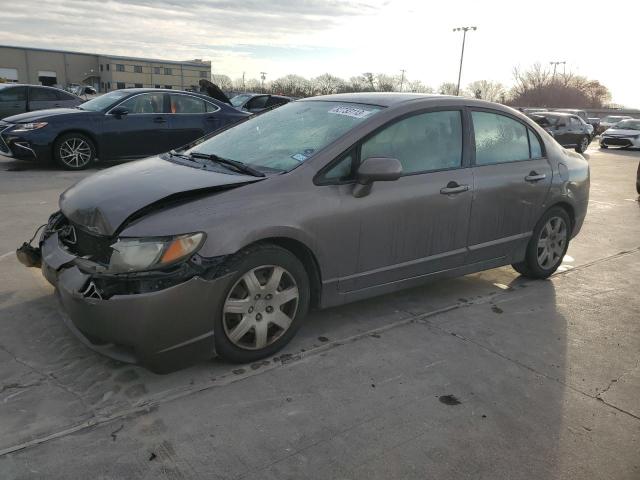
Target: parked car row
(17,98)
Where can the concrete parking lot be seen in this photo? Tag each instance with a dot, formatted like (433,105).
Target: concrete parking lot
(488,376)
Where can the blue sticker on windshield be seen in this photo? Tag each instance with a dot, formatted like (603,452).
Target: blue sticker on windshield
(299,157)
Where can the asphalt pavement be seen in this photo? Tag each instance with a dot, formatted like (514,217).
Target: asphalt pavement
(487,376)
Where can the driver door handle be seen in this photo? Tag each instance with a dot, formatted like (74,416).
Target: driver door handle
(535,177)
(453,188)
(160,120)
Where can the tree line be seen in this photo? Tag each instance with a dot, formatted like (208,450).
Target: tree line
(534,86)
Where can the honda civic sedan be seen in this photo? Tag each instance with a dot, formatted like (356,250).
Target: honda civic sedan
(124,124)
(223,247)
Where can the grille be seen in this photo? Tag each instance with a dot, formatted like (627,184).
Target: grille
(617,141)
(85,244)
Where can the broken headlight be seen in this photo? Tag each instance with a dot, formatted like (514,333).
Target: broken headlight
(136,254)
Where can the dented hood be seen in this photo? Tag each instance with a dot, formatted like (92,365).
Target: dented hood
(103,201)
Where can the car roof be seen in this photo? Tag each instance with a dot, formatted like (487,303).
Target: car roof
(382,99)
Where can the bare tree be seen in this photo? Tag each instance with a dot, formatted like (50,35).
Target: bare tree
(385,83)
(447,88)
(538,87)
(326,84)
(416,86)
(223,81)
(486,90)
(370,80)
(293,85)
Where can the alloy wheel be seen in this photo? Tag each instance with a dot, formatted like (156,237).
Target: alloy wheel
(551,243)
(584,144)
(75,153)
(260,307)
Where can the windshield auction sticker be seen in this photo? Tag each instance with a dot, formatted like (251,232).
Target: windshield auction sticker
(351,112)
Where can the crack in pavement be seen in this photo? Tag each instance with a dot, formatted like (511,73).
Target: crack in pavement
(50,378)
(285,360)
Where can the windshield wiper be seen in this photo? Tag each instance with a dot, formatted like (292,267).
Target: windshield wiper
(238,166)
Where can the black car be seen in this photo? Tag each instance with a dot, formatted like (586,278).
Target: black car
(125,124)
(15,99)
(569,130)
(257,102)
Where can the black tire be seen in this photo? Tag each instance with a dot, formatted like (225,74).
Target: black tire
(242,263)
(531,266)
(63,152)
(583,144)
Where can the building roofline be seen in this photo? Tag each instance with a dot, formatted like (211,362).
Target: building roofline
(119,57)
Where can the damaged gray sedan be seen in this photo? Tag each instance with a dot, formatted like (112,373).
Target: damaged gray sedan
(222,247)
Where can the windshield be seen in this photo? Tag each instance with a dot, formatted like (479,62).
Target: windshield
(239,100)
(103,101)
(629,125)
(283,138)
(612,119)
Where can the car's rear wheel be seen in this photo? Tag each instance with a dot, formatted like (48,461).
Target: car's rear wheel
(74,151)
(264,305)
(547,246)
(583,144)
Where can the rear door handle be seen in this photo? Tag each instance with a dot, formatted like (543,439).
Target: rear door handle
(535,177)
(159,120)
(453,188)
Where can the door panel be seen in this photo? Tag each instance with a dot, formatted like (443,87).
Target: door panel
(509,186)
(144,131)
(408,228)
(506,206)
(417,224)
(187,119)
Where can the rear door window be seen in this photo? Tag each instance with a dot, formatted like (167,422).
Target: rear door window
(186,104)
(499,139)
(42,95)
(257,102)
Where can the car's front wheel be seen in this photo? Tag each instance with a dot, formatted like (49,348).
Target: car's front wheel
(264,305)
(547,246)
(74,151)
(583,144)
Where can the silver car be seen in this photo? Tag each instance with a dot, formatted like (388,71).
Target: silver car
(222,247)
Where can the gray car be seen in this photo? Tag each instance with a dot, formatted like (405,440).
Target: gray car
(223,247)
(15,99)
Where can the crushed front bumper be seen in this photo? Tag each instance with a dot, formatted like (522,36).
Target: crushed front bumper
(163,330)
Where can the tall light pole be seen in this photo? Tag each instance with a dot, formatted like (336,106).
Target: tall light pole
(464,37)
(263,75)
(402,79)
(555,64)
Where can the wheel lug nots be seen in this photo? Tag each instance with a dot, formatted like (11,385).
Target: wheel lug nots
(269,296)
(269,309)
(250,310)
(259,317)
(257,296)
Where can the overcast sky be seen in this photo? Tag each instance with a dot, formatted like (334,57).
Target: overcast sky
(346,38)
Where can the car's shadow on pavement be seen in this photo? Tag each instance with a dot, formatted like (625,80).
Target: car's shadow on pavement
(471,323)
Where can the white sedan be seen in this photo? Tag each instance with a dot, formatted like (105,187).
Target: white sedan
(623,134)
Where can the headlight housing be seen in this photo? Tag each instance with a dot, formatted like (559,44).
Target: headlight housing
(29,127)
(138,254)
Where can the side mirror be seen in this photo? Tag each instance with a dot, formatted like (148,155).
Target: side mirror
(376,169)
(119,112)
